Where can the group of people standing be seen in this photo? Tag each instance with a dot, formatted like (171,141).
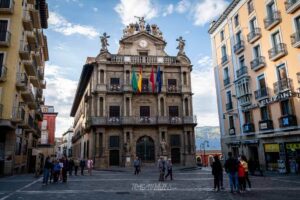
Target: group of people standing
(237,171)
(56,170)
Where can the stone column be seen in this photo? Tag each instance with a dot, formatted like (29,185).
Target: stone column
(130,106)
(97,144)
(98,105)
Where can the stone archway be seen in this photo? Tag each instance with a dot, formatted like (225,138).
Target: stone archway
(145,149)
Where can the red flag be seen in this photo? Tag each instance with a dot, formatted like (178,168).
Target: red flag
(152,80)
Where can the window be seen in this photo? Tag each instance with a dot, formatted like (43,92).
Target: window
(222,35)
(247,116)
(228,97)
(238,37)
(271,9)
(253,24)
(18,145)
(236,20)
(226,73)
(114,141)
(145,84)
(1,63)
(264,112)
(223,49)
(114,111)
(5,3)
(186,106)
(250,6)
(173,111)
(231,122)
(101,107)
(286,108)
(297,24)
(114,81)
(281,72)
(241,61)
(3,30)
(144,111)
(143,53)
(171,82)
(101,76)
(256,51)
(276,40)
(261,81)
(175,140)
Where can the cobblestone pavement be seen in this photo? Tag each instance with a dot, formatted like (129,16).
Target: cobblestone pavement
(110,185)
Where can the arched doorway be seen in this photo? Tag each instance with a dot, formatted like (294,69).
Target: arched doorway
(145,149)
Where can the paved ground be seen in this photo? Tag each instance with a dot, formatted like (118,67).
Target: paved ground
(196,184)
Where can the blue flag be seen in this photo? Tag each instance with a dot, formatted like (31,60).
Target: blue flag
(158,80)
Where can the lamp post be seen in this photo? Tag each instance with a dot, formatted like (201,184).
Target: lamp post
(203,146)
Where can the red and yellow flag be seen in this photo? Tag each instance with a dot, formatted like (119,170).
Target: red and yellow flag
(140,80)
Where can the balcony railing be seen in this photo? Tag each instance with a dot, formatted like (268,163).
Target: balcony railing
(241,72)
(239,47)
(18,114)
(292,5)
(287,121)
(272,20)
(283,85)
(295,39)
(5,38)
(254,35)
(3,73)
(258,63)
(248,128)
(7,7)
(245,99)
(226,81)
(22,81)
(114,88)
(229,106)
(261,93)
(250,8)
(224,59)
(278,51)
(167,60)
(172,89)
(265,125)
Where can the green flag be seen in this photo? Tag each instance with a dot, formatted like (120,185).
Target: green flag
(134,82)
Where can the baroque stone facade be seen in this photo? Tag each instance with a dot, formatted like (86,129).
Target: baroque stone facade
(113,124)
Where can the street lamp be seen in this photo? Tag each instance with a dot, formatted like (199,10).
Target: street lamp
(203,146)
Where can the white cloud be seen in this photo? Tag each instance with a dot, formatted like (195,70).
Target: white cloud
(207,10)
(127,9)
(168,10)
(95,9)
(183,6)
(205,61)
(59,24)
(60,93)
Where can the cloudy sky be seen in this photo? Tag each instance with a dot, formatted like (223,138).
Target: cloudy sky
(73,34)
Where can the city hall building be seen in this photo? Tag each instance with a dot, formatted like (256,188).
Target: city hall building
(256,57)
(137,102)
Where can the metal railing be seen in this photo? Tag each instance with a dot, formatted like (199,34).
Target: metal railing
(259,61)
(114,88)
(265,125)
(19,113)
(278,49)
(261,93)
(229,106)
(290,3)
(239,46)
(224,59)
(287,121)
(226,81)
(248,128)
(242,71)
(256,32)
(272,19)
(283,85)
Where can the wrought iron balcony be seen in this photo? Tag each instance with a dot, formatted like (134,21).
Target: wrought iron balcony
(272,20)
(173,89)
(224,60)
(248,128)
(5,38)
(278,51)
(241,72)
(283,85)
(292,6)
(114,88)
(239,47)
(231,131)
(226,81)
(258,63)
(18,114)
(295,39)
(166,60)
(287,121)
(254,35)
(7,7)
(22,81)
(265,125)
(245,99)
(27,21)
(3,73)
(262,93)
(229,106)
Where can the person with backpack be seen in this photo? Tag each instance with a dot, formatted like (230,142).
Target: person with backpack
(231,168)
(217,171)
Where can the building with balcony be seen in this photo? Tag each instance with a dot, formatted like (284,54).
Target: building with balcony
(66,145)
(114,121)
(259,113)
(22,53)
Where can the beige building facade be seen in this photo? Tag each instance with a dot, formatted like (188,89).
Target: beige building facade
(23,52)
(113,124)
(255,50)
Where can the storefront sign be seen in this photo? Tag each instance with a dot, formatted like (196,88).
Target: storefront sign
(293,146)
(269,148)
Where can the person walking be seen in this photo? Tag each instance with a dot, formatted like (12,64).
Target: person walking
(136,165)
(56,169)
(90,165)
(231,168)
(47,168)
(241,175)
(217,171)
(71,166)
(65,169)
(76,165)
(245,165)
(161,167)
(82,165)
(170,170)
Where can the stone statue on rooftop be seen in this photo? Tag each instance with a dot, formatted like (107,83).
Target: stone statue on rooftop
(181,45)
(104,42)
(141,23)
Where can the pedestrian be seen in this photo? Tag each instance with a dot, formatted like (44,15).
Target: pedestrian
(47,168)
(65,169)
(82,165)
(161,167)
(52,171)
(245,165)
(217,171)
(136,165)
(56,169)
(231,168)
(71,166)
(170,170)
(76,165)
(241,175)
(61,164)
(90,165)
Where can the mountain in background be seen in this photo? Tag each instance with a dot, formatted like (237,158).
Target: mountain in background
(209,133)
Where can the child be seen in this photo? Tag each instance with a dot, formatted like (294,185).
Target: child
(241,175)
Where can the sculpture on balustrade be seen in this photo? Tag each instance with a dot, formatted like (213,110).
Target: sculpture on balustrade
(163,147)
(141,23)
(181,45)
(154,29)
(104,42)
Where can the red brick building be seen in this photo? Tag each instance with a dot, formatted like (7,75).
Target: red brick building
(48,125)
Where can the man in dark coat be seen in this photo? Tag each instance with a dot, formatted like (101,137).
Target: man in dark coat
(231,168)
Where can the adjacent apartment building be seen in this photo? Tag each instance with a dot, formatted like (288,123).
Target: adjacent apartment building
(137,102)
(23,52)
(256,57)
(66,145)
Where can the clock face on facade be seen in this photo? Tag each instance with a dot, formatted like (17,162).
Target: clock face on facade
(143,43)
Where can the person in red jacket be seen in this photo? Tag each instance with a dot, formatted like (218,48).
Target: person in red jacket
(241,175)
